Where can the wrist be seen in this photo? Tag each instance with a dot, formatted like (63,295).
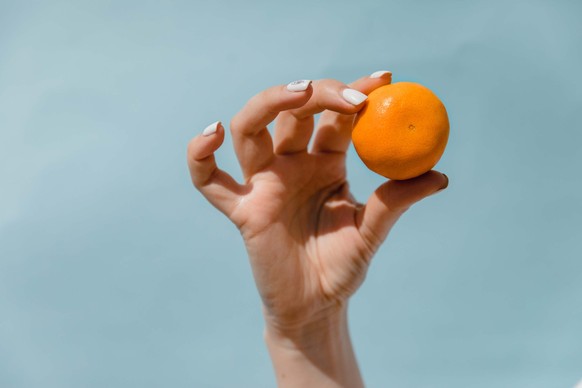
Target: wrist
(313,352)
(306,332)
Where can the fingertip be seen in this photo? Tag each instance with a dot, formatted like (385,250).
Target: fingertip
(404,193)
(345,100)
(211,129)
(446,184)
(298,86)
(354,97)
(384,74)
(297,90)
(435,179)
(207,142)
(277,99)
(369,83)
(299,98)
(435,182)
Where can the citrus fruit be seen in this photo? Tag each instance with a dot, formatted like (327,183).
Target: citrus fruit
(402,131)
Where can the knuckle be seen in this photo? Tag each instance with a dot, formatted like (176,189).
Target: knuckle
(200,179)
(371,241)
(234,123)
(196,183)
(268,100)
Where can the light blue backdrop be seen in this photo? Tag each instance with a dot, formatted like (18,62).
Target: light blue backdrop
(114,272)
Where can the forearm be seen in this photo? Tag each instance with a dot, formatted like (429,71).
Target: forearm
(319,354)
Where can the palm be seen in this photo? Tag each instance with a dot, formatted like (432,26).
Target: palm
(299,226)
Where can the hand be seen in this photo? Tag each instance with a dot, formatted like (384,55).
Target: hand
(308,240)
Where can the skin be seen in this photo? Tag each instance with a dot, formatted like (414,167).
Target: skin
(308,240)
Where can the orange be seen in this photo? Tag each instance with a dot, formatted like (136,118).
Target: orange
(402,131)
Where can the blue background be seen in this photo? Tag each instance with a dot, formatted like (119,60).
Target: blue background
(114,272)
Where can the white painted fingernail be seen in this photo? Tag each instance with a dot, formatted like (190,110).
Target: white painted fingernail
(299,85)
(380,73)
(353,96)
(209,130)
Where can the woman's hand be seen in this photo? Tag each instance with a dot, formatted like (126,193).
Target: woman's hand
(308,240)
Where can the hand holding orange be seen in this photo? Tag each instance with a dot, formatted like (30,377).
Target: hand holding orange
(402,131)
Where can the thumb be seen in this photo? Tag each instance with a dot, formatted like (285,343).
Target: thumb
(391,200)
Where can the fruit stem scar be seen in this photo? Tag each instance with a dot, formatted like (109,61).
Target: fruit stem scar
(411,127)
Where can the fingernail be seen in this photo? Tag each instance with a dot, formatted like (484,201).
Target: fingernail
(380,73)
(446,183)
(353,96)
(209,130)
(299,85)
(443,186)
